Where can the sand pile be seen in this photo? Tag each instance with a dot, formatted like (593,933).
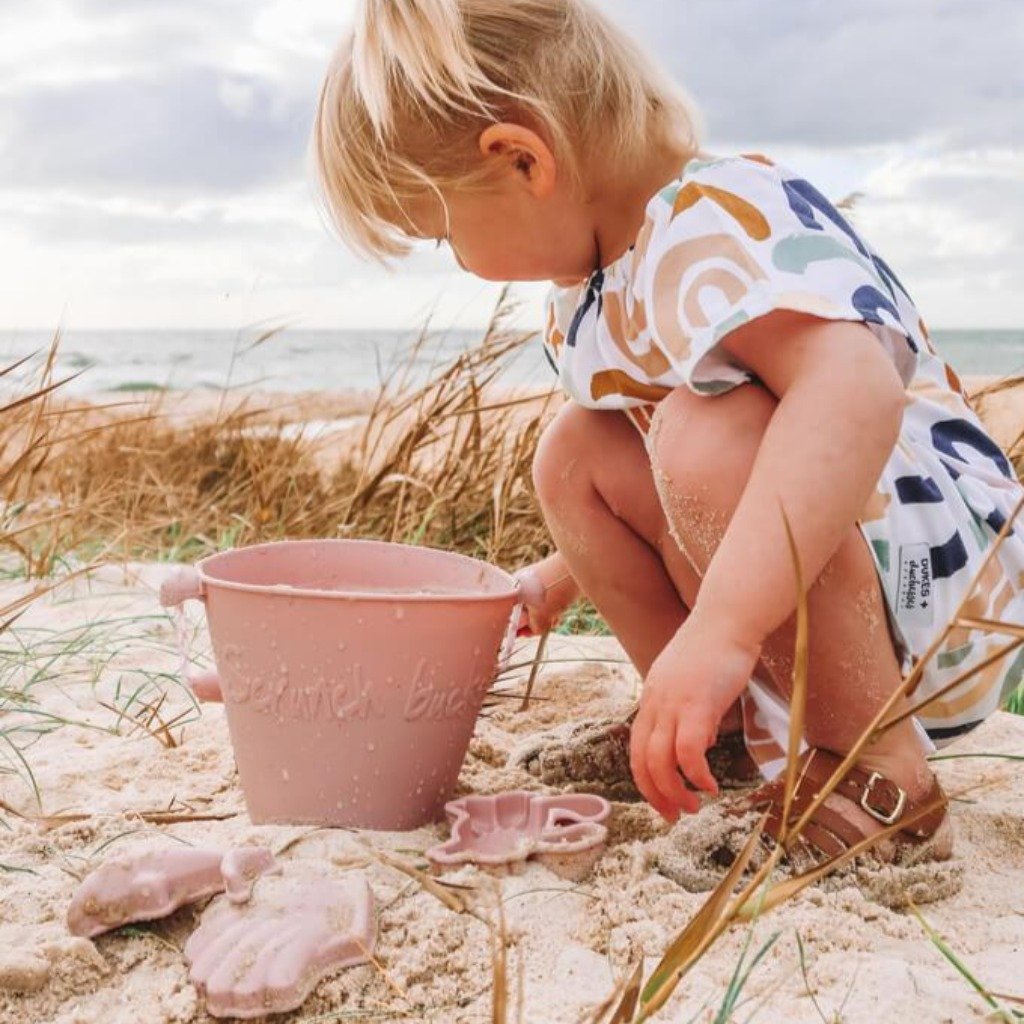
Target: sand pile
(90,647)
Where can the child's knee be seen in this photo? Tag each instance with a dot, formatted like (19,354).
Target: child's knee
(706,447)
(561,452)
(702,452)
(686,459)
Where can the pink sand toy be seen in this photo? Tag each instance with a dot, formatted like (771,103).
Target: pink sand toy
(268,956)
(352,672)
(501,832)
(152,883)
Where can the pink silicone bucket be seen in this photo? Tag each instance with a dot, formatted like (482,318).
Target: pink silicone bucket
(352,673)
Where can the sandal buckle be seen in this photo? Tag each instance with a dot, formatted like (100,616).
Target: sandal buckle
(881,816)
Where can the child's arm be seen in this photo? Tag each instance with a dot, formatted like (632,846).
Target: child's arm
(840,407)
(841,404)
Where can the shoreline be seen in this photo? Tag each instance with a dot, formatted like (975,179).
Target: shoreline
(342,413)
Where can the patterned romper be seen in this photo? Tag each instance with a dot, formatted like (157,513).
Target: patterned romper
(731,240)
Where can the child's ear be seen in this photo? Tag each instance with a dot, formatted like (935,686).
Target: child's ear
(524,154)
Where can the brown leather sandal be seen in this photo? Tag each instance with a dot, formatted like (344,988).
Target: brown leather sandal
(828,834)
(914,865)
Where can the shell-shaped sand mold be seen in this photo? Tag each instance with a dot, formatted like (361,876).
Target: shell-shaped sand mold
(152,883)
(268,955)
(503,831)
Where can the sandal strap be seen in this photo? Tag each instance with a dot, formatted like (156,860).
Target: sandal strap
(825,820)
(828,831)
(879,796)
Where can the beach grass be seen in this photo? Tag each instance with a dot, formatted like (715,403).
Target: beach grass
(447,464)
(583,619)
(998,1011)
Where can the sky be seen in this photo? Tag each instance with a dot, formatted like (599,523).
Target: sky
(154,170)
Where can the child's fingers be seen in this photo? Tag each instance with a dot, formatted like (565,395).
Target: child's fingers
(524,626)
(664,770)
(532,623)
(540,621)
(531,587)
(690,756)
(639,737)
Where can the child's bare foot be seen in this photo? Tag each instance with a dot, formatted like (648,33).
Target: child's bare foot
(594,757)
(914,864)
(268,956)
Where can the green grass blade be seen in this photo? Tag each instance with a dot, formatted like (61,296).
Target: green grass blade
(965,972)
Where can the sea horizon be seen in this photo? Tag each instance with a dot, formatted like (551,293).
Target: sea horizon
(306,359)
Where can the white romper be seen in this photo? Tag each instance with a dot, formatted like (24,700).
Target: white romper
(733,239)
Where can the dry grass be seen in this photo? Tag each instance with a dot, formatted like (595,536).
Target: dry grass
(446,464)
(26,439)
(1007,390)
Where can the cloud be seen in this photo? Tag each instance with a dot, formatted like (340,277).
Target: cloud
(107,95)
(158,148)
(954,224)
(805,72)
(220,93)
(194,128)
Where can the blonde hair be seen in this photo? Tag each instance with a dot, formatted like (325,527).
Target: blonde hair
(415,82)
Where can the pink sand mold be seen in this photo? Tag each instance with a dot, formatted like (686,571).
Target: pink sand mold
(150,884)
(270,954)
(240,868)
(504,830)
(351,672)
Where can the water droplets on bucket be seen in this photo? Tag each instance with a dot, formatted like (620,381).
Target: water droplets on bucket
(333,674)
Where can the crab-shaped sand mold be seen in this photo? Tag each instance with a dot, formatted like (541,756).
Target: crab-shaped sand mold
(152,883)
(268,956)
(501,832)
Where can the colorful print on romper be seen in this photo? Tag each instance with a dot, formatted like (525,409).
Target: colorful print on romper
(733,239)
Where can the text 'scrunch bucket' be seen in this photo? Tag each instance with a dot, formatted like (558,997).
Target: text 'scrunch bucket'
(352,673)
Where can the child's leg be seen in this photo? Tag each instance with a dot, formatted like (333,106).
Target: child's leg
(594,483)
(702,452)
(593,478)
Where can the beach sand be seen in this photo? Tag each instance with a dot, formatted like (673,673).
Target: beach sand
(101,637)
(572,940)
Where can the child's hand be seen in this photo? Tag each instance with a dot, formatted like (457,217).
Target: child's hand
(549,589)
(690,687)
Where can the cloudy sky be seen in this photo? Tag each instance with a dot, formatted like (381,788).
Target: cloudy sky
(153,152)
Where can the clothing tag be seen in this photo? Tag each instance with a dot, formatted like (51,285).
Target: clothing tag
(915,604)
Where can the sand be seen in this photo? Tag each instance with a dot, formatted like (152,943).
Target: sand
(571,940)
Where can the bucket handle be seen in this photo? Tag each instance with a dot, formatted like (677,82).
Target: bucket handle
(182,584)
(530,592)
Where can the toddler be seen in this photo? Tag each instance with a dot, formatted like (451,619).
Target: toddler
(732,349)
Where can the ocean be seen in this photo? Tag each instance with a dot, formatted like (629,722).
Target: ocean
(305,360)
